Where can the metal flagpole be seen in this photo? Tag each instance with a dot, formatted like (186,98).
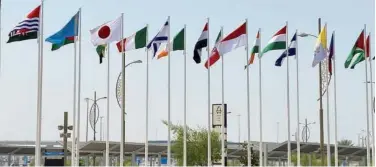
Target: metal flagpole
(79,91)
(209,125)
(248,99)
(108,107)
(0,34)
(122,95)
(288,100)
(185,98)
(260,101)
(147,104)
(372,106)
(73,148)
(297,99)
(335,104)
(328,154)
(169,96)
(223,156)
(39,94)
(367,105)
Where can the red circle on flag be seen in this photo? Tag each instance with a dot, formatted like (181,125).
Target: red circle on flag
(104,32)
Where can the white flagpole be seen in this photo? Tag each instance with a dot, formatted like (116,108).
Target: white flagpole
(248,99)
(79,91)
(260,101)
(288,100)
(108,107)
(0,33)
(328,154)
(147,103)
(372,107)
(169,96)
(209,125)
(123,95)
(73,148)
(335,104)
(223,114)
(185,97)
(39,94)
(367,105)
(297,100)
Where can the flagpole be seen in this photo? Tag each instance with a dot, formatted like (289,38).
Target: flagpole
(39,94)
(122,95)
(297,99)
(108,108)
(79,92)
(223,156)
(185,98)
(335,104)
(260,101)
(147,104)
(209,125)
(248,99)
(0,33)
(372,108)
(73,148)
(288,100)
(367,106)
(169,97)
(328,154)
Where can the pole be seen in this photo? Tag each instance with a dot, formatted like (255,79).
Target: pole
(288,100)
(147,104)
(328,154)
(79,92)
(367,105)
(65,138)
(223,155)
(0,33)
(123,95)
(209,125)
(101,128)
(297,100)
(87,119)
(108,108)
(260,101)
(73,147)
(321,110)
(277,132)
(248,101)
(169,97)
(335,105)
(95,114)
(185,98)
(372,108)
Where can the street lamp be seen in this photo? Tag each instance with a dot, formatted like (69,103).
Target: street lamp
(65,135)
(303,34)
(95,101)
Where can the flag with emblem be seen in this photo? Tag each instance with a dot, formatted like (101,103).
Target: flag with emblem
(107,33)
(26,29)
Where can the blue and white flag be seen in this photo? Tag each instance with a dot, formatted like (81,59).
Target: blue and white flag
(292,52)
(161,37)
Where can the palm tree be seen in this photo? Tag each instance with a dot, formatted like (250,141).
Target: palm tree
(345,142)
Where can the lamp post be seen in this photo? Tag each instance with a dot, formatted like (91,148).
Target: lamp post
(65,135)
(95,105)
(305,131)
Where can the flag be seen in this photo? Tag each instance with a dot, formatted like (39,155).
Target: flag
(26,29)
(321,51)
(107,33)
(161,37)
(368,45)
(331,56)
(101,52)
(255,49)
(234,40)
(291,49)
(357,52)
(202,42)
(66,34)
(277,42)
(214,55)
(136,41)
(177,44)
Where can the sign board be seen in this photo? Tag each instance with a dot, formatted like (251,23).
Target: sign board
(217,114)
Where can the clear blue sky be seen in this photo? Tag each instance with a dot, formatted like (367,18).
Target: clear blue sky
(18,80)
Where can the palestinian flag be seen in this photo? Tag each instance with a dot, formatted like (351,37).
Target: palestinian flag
(68,40)
(255,49)
(357,52)
(202,42)
(277,42)
(101,49)
(135,41)
(26,29)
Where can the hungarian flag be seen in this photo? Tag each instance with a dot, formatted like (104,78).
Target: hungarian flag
(202,42)
(232,41)
(277,42)
(107,33)
(214,55)
(26,29)
(176,44)
(357,52)
(135,41)
(255,49)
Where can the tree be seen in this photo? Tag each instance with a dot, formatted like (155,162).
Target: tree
(345,142)
(244,158)
(304,160)
(197,144)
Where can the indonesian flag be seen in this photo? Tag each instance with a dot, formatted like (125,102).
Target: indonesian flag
(232,41)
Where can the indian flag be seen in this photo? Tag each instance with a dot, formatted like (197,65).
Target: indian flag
(255,49)
(277,42)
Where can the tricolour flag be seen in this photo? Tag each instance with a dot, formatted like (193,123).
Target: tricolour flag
(277,42)
(26,29)
(107,33)
(66,34)
(357,52)
(202,42)
(291,49)
(214,55)
(161,37)
(136,41)
(321,48)
(255,49)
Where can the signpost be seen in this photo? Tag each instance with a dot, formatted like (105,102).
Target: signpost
(219,112)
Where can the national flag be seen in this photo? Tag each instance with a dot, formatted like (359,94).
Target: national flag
(368,45)
(107,33)
(321,49)
(66,34)
(214,55)
(291,49)
(357,52)
(136,41)
(202,42)
(255,49)
(277,42)
(101,52)
(161,37)
(177,44)
(361,58)
(331,55)
(234,40)
(26,29)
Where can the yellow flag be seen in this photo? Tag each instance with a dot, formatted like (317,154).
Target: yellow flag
(321,49)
